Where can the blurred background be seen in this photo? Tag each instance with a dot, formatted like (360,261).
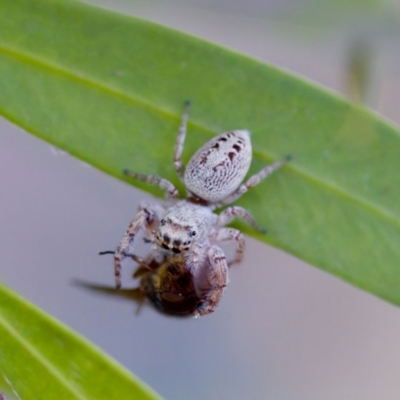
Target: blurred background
(285,330)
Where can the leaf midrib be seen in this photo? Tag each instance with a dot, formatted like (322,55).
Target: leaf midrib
(28,58)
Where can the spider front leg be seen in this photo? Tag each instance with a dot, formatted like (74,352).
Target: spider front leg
(180,140)
(147,219)
(217,279)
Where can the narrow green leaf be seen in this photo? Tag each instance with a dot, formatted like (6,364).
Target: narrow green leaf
(42,359)
(109,89)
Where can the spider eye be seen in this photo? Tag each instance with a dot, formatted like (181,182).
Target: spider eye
(192,233)
(162,222)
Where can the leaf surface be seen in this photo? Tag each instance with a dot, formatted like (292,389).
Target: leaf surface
(42,359)
(109,89)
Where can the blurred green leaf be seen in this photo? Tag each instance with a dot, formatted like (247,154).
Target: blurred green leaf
(109,89)
(42,359)
(359,70)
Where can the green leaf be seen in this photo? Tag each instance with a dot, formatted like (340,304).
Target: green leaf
(42,359)
(109,89)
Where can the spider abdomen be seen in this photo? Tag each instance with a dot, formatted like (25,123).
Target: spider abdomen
(218,168)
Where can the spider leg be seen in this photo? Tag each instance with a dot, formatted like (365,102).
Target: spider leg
(256,179)
(170,190)
(147,218)
(226,234)
(217,279)
(180,140)
(234,211)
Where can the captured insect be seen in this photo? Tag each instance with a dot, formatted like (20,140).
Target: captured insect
(183,234)
(169,285)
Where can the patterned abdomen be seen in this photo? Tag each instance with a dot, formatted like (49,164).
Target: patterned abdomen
(218,168)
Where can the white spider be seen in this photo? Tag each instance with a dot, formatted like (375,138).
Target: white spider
(185,231)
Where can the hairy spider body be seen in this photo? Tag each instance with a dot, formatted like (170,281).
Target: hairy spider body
(183,234)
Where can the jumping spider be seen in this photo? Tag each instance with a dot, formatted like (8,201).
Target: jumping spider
(182,234)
